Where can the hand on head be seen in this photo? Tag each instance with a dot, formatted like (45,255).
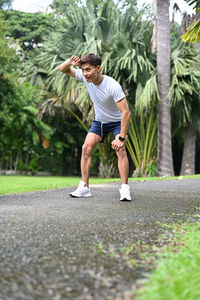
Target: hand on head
(75,60)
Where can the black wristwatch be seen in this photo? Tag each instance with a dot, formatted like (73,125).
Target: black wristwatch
(121,138)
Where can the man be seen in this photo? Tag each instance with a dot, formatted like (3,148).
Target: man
(111,114)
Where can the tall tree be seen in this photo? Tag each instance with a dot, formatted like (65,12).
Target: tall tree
(185,100)
(193,36)
(19,122)
(28,28)
(165,161)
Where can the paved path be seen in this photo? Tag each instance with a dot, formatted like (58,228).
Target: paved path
(47,239)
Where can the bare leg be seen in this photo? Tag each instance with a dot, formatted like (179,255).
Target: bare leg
(91,141)
(123,164)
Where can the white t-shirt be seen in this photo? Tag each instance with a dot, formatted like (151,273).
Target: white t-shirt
(104,97)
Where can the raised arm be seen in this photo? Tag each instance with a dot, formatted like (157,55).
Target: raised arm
(66,68)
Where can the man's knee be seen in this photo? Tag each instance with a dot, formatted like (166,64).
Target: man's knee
(87,149)
(121,153)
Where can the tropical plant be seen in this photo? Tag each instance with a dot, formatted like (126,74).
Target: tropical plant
(193,31)
(185,99)
(28,29)
(20,126)
(183,96)
(21,129)
(123,45)
(142,143)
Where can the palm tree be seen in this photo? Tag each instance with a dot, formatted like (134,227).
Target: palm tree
(183,96)
(165,163)
(192,35)
(188,103)
(123,45)
(188,159)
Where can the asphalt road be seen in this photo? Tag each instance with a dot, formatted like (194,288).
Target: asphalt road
(48,241)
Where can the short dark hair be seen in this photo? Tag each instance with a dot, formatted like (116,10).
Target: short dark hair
(94,60)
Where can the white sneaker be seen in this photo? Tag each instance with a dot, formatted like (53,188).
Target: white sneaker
(82,191)
(125,193)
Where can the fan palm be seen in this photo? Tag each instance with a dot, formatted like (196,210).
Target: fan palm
(185,100)
(123,45)
(183,96)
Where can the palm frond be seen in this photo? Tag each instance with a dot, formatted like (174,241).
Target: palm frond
(194,3)
(150,92)
(193,33)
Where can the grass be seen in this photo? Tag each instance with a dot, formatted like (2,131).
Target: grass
(19,184)
(177,274)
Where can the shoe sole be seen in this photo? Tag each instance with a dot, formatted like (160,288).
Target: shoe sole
(73,196)
(125,200)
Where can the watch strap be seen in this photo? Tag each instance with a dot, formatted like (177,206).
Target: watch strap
(121,138)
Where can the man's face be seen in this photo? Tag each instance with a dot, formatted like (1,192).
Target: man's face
(90,72)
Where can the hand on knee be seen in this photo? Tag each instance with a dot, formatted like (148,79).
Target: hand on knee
(121,153)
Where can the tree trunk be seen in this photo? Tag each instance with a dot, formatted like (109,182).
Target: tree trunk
(188,159)
(17,159)
(189,150)
(11,161)
(165,162)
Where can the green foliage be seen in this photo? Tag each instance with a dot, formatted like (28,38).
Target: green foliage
(28,28)
(8,58)
(193,33)
(124,46)
(185,85)
(177,272)
(23,131)
(99,247)
(108,159)
(184,89)
(20,125)
(142,143)
(127,250)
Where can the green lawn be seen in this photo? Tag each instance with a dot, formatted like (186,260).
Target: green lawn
(19,184)
(177,274)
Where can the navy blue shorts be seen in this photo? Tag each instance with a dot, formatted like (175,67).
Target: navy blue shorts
(102,129)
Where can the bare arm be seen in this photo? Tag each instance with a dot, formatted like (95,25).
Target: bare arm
(125,120)
(66,68)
